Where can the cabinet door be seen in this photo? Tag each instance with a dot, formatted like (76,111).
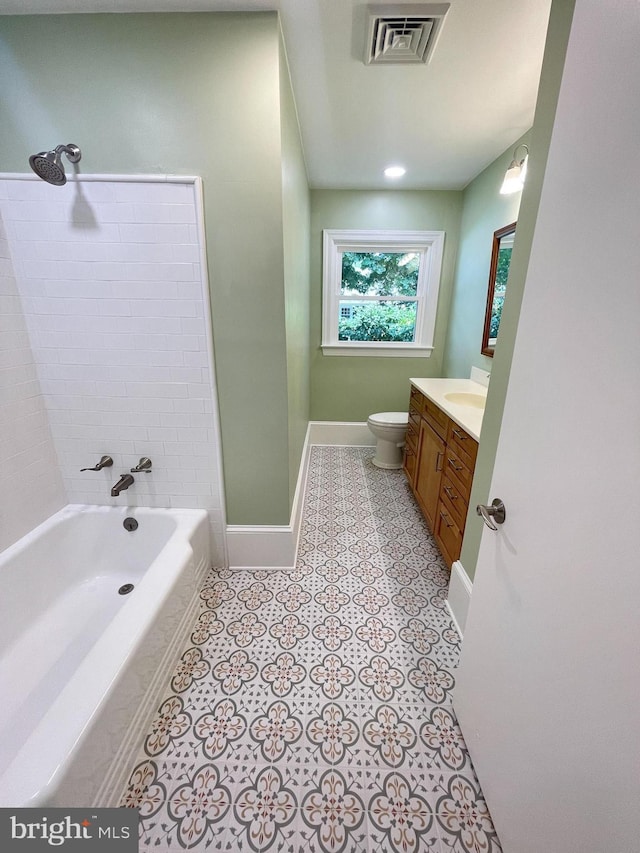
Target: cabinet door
(430,458)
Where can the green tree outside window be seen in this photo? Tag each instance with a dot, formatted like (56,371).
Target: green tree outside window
(379,274)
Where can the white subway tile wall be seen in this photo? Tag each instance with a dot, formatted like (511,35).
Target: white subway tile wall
(112,289)
(30,483)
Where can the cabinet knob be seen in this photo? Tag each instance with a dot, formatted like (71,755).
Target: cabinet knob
(496,512)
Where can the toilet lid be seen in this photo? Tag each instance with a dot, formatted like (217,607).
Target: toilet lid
(382,418)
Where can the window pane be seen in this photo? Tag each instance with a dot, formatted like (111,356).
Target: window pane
(380,273)
(502,274)
(496,315)
(377,321)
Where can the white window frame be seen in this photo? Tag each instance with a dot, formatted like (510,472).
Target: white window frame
(428,244)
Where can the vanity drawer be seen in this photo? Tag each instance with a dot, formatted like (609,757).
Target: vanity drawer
(435,417)
(413,428)
(462,444)
(457,471)
(452,496)
(448,534)
(416,400)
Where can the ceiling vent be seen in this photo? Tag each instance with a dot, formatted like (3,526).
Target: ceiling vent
(403,35)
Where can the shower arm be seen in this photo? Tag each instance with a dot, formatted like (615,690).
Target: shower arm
(72,152)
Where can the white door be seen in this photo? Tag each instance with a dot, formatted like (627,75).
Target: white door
(548,689)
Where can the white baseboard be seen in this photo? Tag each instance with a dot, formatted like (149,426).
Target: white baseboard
(341,433)
(270,546)
(460,588)
(261,546)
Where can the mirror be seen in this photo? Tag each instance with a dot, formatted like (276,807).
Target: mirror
(499,273)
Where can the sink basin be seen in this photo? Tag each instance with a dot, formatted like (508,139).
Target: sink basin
(465,398)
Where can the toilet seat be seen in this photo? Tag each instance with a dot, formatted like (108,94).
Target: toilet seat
(390,418)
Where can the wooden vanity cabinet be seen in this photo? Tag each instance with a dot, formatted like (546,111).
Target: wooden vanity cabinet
(439,461)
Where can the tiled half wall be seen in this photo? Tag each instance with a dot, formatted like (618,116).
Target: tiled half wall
(113,288)
(30,483)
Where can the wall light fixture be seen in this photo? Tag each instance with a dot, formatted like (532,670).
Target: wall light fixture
(516,173)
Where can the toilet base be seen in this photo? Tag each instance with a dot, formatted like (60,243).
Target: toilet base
(388,455)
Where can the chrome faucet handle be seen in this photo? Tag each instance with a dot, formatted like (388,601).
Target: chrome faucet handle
(105,462)
(143,466)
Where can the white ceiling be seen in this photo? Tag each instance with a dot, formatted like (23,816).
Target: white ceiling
(444,121)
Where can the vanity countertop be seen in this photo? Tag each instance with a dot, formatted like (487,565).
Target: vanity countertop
(444,393)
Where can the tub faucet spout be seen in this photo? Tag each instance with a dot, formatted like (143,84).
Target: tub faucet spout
(123,483)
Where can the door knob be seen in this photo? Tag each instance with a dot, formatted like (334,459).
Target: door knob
(496,512)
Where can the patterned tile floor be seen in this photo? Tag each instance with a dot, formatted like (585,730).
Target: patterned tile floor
(312,709)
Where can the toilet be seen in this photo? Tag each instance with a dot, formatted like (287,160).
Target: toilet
(389,429)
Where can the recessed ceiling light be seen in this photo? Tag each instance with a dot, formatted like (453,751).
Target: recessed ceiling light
(394,171)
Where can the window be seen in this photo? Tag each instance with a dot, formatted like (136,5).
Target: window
(380,292)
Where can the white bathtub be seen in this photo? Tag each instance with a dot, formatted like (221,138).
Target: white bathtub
(80,665)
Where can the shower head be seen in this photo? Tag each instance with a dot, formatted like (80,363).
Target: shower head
(48,164)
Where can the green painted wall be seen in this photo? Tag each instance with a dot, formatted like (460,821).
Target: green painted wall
(172,93)
(295,209)
(555,51)
(348,388)
(484,211)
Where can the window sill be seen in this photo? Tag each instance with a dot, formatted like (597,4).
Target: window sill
(379,350)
